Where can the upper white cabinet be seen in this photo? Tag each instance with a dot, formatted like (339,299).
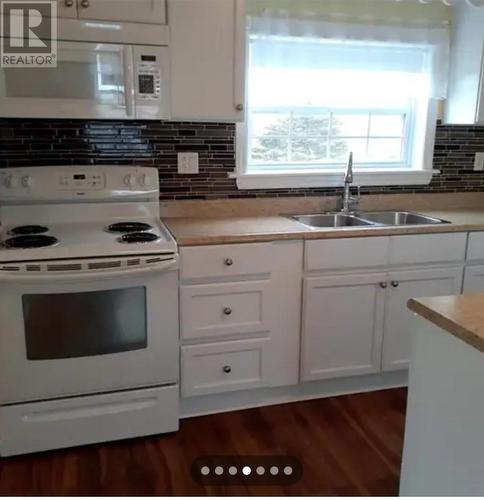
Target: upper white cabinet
(133,11)
(207,42)
(465,103)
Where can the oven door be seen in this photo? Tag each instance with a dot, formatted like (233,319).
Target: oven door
(91,80)
(88,333)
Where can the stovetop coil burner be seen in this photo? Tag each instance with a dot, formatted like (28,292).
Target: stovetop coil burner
(128,227)
(30,229)
(139,238)
(30,241)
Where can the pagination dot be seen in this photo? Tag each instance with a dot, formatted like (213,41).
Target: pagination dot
(232,471)
(246,470)
(288,470)
(260,470)
(274,470)
(219,470)
(205,471)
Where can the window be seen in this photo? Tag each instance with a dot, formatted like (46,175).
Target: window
(312,101)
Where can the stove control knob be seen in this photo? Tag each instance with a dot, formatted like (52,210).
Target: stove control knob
(129,180)
(10,182)
(144,180)
(27,181)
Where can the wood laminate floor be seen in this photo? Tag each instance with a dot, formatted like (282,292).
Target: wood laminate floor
(348,445)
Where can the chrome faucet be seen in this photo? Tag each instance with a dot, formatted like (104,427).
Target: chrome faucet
(349,204)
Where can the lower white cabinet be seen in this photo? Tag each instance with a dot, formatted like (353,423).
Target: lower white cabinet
(223,366)
(240,323)
(342,325)
(358,324)
(474,279)
(402,286)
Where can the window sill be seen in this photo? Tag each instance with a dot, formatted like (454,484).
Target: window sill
(333,179)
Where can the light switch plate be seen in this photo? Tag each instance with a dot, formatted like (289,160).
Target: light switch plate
(188,163)
(479,161)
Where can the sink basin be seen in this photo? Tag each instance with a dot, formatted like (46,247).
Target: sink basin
(332,220)
(400,218)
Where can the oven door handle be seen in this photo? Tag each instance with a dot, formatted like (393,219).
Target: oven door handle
(56,277)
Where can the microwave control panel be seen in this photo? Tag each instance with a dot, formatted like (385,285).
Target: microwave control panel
(149,77)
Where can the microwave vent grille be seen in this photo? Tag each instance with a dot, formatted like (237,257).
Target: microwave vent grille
(133,262)
(32,268)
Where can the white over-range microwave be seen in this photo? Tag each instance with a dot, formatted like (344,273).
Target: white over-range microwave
(91,80)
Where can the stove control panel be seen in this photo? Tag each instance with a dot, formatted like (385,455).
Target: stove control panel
(72,183)
(82,181)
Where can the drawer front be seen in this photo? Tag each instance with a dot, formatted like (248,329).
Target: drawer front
(222,261)
(475,250)
(223,309)
(48,425)
(427,248)
(223,367)
(346,253)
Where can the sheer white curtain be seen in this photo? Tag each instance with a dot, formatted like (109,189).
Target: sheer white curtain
(321,38)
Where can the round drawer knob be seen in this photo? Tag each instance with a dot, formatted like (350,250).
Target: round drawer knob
(395,284)
(227,369)
(239,107)
(69,3)
(227,311)
(85,4)
(383,284)
(228,262)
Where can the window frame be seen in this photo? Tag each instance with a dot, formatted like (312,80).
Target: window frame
(407,137)
(418,170)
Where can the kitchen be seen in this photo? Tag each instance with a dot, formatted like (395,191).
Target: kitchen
(214,213)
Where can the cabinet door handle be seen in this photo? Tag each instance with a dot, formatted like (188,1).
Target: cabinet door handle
(227,369)
(85,4)
(239,107)
(228,262)
(383,284)
(68,3)
(227,311)
(395,284)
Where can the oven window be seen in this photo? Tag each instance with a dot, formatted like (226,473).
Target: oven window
(74,325)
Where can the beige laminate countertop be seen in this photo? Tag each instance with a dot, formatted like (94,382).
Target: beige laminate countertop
(460,315)
(190,231)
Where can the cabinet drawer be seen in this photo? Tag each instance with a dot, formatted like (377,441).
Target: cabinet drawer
(346,253)
(222,367)
(223,309)
(475,250)
(225,260)
(427,248)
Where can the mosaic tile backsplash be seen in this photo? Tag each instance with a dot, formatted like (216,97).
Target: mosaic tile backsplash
(66,142)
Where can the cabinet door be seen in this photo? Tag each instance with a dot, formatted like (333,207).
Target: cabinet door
(474,279)
(342,325)
(67,8)
(207,41)
(133,11)
(404,285)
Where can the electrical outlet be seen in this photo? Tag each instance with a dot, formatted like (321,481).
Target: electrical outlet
(188,163)
(479,161)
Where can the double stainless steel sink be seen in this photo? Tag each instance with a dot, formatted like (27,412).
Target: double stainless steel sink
(366,219)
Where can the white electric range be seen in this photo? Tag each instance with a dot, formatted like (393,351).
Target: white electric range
(88,308)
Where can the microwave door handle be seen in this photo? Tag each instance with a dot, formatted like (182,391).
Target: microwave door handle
(56,277)
(128,72)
